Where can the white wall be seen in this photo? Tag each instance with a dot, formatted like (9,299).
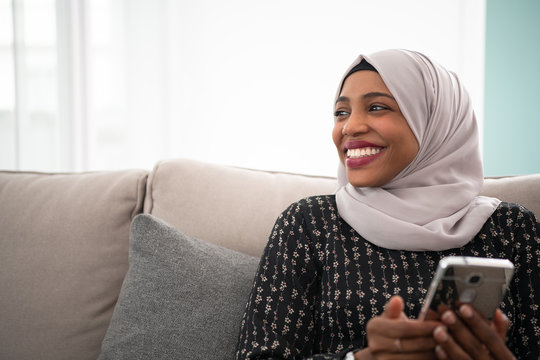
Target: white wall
(247,82)
(255,81)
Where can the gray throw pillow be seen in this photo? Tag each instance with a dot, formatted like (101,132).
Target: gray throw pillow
(181,299)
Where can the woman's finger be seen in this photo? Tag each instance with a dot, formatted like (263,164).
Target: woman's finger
(447,348)
(397,328)
(462,339)
(501,324)
(404,346)
(394,308)
(417,345)
(392,348)
(491,338)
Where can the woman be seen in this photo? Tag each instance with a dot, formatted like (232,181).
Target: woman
(345,275)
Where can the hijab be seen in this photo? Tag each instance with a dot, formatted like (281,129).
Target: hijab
(433,203)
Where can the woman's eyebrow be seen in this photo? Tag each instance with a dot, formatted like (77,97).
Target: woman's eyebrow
(369,95)
(342,99)
(377,94)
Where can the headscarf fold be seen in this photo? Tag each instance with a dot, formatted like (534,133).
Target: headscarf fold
(432,204)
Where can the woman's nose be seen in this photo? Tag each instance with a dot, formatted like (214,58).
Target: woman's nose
(356,124)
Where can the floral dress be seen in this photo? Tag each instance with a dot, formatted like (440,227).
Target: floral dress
(319,282)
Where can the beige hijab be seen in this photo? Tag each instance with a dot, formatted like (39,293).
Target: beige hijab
(433,204)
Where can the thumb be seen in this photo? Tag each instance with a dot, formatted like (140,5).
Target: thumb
(394,308)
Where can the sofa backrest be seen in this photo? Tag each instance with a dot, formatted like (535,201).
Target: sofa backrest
(522,189)
(236,208)
(228,206)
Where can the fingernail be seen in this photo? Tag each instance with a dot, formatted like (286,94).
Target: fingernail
(440,352)
(448,318)
(466,311)
(440,334)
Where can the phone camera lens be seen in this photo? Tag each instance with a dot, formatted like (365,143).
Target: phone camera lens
(475,279)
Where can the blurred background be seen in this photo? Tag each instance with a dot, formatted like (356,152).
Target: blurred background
(115,84)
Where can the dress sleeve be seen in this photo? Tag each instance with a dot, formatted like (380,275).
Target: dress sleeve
(279,321)
(523,301)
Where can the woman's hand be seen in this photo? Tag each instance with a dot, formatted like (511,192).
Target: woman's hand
(393,336)
(470,336)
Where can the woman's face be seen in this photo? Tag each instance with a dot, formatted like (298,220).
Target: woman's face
(373,139)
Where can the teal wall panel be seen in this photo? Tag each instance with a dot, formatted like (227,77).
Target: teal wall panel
(512,88)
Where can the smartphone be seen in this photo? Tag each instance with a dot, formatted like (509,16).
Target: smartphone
(480,282)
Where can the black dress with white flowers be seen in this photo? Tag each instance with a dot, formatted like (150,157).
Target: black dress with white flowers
(319,282)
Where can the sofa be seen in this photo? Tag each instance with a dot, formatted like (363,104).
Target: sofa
(145,264)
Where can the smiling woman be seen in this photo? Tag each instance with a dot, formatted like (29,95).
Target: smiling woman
(344,275)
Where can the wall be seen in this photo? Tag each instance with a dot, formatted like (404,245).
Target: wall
(512,88)
(247,83)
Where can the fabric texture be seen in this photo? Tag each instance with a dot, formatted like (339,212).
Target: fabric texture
(326,281)
(63,256)
(182,298)
(433,204)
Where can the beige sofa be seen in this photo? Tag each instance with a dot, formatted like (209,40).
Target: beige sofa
(64,240)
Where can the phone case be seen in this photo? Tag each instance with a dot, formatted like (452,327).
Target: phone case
(480,282)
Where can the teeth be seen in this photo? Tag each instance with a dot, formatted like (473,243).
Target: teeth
(358,153)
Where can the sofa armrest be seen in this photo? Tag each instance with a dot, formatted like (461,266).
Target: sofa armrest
(64,242)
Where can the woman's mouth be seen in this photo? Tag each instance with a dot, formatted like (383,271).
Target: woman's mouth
(361,153)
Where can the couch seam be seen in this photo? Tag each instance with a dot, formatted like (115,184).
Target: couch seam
(150,189)
(139,206)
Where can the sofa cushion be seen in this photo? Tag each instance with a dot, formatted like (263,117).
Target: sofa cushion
(182,298)
(63,255)
(232,207)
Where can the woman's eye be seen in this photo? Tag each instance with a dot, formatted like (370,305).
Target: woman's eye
(377,108)
(340,113)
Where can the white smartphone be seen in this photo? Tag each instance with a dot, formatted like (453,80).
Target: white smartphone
(480,282)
